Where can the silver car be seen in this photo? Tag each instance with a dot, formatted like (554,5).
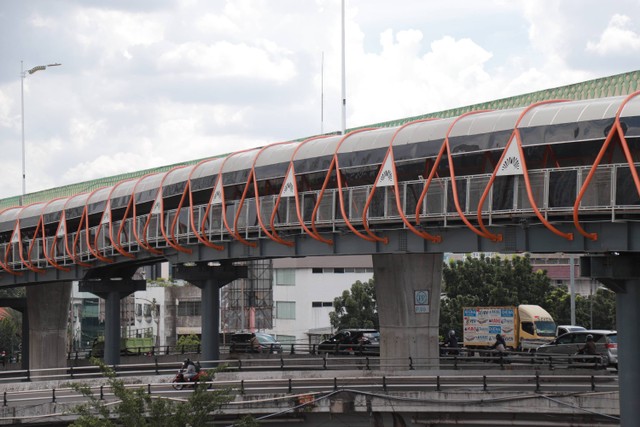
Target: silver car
(570,343)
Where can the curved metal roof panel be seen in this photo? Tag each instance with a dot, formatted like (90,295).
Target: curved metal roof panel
(367,140)
(53,211)
(274,160)
(318,148)
(175,180)
(30,215)
(8,218)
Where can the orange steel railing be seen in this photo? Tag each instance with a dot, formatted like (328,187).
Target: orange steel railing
(335,166)
(425,235)
(516,137)
(291,172)
(616,130)
(192,222)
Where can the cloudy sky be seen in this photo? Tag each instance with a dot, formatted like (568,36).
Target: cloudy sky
(147,83)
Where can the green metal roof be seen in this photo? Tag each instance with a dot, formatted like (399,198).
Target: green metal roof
(619,84)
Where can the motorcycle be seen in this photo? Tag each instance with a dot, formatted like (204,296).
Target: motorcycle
(179,382)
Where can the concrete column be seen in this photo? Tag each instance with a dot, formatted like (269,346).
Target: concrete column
(408,295)
(112,291)
(112,328)
(621,274)
(210,278)
(48,314)
(628,319)
(210,320)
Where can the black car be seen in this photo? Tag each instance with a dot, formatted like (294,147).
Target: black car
(241,343)
(352,341)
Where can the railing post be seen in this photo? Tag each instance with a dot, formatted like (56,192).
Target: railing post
(102,392)
(484,383)
(290,386)
(455,362)
(335,384)
(71,371)
(281,362)
(157,367)
(4,399)
(53,395)
(149,388)
(324,361)
(241,386)
(593,383)
(293,349)
(384,383)
(367,366)
(411,363)
(537,382)
(438,383)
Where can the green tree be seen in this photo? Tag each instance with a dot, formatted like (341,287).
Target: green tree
(188,342)
(11,331)
(11,324)
(134,407)
(597,311)
(356,308)
(490,281)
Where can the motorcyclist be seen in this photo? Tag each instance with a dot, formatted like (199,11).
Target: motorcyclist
(589,347)
(188,369)
(500,345)
(451,342)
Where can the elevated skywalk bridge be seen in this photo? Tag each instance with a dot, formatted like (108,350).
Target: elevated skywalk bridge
(568,169)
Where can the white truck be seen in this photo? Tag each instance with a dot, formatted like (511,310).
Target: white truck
(524,327)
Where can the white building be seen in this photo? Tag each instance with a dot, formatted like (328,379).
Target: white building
(304,290)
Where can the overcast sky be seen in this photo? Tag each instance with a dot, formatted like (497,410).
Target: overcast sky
(147,83)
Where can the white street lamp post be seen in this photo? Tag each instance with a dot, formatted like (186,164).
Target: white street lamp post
(23,74)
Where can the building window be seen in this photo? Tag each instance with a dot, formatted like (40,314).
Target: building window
(285,277)
(285,310)
(189,308)
(139,310)
(338,270)
(316,270)
(321,304)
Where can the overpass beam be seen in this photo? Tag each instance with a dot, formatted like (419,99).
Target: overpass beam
(621,274)
(210,278)
(112,291)
(408,295)
(47,314)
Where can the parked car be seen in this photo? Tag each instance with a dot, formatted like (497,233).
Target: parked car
(571,342)
(241,343)
(563,329)
(352,341)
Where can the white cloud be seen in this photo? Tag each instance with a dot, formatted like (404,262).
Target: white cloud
(263,61)
(617,38)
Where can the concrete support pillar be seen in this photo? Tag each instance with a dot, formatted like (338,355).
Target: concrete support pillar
(112,327)
(210,320)
(210,278)
(621,274)
(112,291)
(48,314)
(408,295)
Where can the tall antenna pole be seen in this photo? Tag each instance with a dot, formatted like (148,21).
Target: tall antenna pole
(344,86)
(322,94)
